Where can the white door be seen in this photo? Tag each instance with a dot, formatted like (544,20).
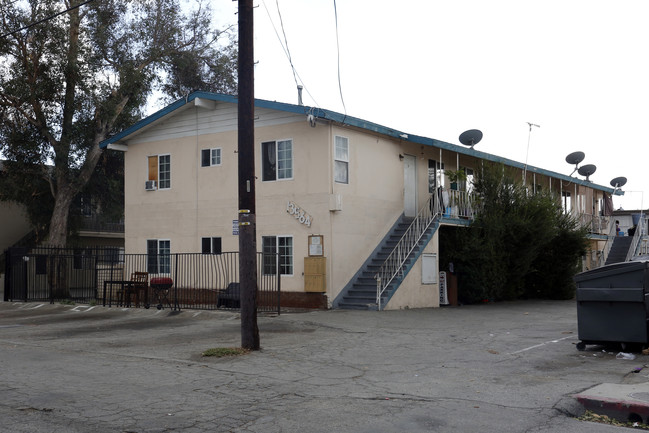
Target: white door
(410,185)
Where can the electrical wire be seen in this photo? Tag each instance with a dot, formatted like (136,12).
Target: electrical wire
(288,52)
(44,19)
(295,72)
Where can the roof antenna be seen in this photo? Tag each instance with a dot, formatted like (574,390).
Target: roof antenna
(529,135)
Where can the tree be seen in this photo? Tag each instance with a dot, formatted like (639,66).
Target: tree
(85,71)
(520,245)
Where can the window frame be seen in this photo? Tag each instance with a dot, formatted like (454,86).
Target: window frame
(160,163)
(211,156)
(214,244)
(270,171)
(339,161)
(160,261)
(288,264)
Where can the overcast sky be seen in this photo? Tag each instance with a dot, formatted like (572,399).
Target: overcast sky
(579,69)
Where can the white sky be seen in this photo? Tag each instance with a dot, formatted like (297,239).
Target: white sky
(579,69)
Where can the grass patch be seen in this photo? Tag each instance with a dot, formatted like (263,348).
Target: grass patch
(220,352)
(67,302)
(603,419)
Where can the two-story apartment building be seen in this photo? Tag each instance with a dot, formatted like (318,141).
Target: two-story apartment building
(332,190)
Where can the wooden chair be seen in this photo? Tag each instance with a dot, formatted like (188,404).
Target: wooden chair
(139,283)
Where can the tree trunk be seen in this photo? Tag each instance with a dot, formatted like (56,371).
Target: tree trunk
(58,233)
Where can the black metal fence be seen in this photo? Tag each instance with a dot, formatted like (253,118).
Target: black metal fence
(108,276)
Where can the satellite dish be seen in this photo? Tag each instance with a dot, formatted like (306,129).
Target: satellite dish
(618,182)
(575,158)
(587,170)
(471,137)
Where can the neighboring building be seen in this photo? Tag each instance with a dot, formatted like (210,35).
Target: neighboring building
(327,184)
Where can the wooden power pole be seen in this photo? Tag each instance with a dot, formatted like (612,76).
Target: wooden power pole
(246,142)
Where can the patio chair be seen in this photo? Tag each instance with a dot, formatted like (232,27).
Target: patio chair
(139,283)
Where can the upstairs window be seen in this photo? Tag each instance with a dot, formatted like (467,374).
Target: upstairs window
(341,160)
(277,160)
(160,170)
(210,157)
(566,201)
(467,185)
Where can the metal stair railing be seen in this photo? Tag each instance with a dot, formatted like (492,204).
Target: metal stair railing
(607,246)
(393,265)
(636,239)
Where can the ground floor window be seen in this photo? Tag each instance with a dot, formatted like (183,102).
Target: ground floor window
(278,251)
(158,256)
(211,245)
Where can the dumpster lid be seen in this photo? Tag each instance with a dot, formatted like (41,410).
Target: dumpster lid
(612,269)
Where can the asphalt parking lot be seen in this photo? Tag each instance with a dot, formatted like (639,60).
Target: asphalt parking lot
(505,367)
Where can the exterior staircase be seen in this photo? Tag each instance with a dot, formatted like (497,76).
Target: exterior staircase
(360,292)
(619,249)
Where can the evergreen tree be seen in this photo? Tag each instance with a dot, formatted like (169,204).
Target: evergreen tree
(520,244)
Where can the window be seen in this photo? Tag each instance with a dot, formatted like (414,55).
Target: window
(158,256)
(277,250)
(210,157)
(467,185)
(341,160)
(211,245)
(277,160)
(435,175)
(566,201)
(160,170)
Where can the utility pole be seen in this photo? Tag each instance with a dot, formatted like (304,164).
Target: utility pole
(246,142)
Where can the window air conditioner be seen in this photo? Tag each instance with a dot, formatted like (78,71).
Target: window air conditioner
(150,185)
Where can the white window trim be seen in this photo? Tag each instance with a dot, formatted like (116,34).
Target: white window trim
(261,153)
(277,252)
(158,255)
(170,179)
(211,149)
(342,160)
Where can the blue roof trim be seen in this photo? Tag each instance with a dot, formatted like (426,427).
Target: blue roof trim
(349,121)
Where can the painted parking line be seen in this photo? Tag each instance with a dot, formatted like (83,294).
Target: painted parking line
(540,345)
(29,306)
(83,308)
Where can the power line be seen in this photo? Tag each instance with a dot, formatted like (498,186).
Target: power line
(45,19)
(288,52)
(295,72)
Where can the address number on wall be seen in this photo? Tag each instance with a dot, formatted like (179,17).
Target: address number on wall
(299,214)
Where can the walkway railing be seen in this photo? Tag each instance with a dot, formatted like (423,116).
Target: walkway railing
(457,204)
(597,224)
(394,264)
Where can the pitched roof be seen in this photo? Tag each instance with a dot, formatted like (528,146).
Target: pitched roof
(194,98)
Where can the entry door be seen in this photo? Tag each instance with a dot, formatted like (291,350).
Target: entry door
(410,185)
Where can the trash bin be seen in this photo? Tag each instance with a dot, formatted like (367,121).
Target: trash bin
(613,304)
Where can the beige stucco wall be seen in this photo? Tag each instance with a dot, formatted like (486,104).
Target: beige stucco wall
(202,201)
(413,293)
